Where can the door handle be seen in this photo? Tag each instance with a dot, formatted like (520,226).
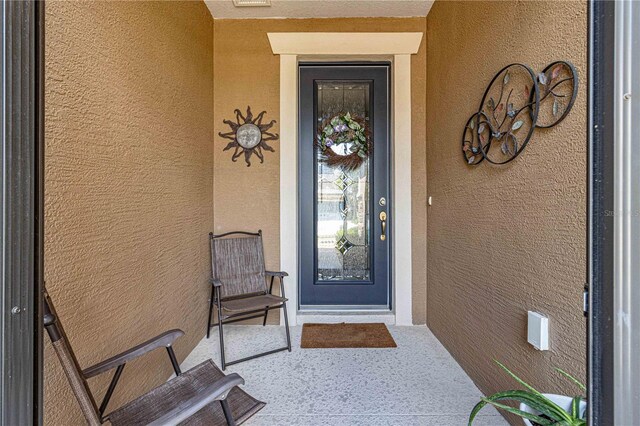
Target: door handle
(383,222)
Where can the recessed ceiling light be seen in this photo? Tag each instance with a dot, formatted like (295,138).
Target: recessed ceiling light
(251,3)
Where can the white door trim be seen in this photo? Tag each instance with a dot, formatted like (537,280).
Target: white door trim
(626,329)
(400,47)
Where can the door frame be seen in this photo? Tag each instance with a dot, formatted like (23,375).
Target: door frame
(626,258)
(600,236)
(306,153)
(613,305)
(396,48)
(21,211)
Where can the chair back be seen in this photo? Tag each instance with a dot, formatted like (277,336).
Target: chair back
(237,260)
(69,363)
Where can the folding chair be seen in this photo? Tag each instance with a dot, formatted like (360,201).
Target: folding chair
(200,396)
(239,286)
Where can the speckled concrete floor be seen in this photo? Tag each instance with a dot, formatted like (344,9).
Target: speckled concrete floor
(417,383)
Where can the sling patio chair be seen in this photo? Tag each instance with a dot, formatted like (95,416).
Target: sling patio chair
(239,285)
(200,396)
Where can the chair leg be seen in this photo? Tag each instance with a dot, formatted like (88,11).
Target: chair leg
(266,311)
(220,333)
(210,311)
(286,325)
(227,412)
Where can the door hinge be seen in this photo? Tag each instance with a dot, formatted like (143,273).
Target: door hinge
(585,300)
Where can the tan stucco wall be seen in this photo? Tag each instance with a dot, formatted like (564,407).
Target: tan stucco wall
(128,184)
(247,73)
(504,240)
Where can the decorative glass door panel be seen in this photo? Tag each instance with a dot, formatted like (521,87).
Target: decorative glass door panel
(344,170)
(342,195)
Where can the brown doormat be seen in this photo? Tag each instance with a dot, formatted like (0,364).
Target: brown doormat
(344,335)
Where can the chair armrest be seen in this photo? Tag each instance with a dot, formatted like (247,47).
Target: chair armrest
(214,392)
(164,339)
(215,282)
(280,274)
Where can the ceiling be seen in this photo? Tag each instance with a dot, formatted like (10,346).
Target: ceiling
(224,9)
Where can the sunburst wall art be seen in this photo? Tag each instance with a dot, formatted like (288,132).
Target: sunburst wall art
(248,136)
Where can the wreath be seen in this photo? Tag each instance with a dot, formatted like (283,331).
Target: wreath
(344,141)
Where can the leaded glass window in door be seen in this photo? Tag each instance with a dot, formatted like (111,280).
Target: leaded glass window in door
(343,229)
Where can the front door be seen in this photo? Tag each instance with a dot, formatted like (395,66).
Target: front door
(344,186)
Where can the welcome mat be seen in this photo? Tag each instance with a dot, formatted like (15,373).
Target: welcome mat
(346,335)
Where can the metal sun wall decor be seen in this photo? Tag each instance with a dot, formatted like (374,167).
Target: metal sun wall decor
(248,136)
(516,102)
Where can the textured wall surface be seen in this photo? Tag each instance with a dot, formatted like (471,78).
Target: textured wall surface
(129,107)
(247,73)
(505,239)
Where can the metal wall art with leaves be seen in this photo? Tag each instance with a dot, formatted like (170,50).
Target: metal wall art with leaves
(516,102)
(248,136)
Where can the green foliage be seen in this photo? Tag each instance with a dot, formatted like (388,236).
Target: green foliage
(552,412)
(344,129)
(573,379)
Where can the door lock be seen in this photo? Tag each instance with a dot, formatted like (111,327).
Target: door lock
(383,222)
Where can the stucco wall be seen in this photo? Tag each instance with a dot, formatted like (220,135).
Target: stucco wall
(128,184)
(247,73)
(505,239)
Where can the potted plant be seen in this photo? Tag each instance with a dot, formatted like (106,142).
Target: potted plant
(537,408)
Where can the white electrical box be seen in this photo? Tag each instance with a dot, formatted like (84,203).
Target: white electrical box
(538,331)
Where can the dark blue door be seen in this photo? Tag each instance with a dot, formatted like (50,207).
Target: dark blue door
(344,206)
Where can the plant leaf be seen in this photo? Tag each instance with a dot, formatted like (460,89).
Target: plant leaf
(492,104)
(516,378)
(542,78)
(555,106)
(505,148)
(526,91)
(517,125)
(532,417)
(575,407)
(483,403)
(500,107)
(505,80)
(471,159)
(481,128)
(556,71)
(571,378)
(472,124)
(537,402)
(527,385)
